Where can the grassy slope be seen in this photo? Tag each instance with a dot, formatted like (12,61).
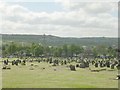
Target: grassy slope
(82,78)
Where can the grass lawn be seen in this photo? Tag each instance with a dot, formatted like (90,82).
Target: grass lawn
(0,76)
(23,77)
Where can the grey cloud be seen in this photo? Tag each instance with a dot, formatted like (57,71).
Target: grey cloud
(80,18)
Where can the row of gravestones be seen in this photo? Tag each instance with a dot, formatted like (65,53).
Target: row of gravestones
(108,65)
(83,64)
(6,64)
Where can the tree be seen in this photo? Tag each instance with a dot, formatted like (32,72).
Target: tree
(58,52)
(65,50)
(12,48)
(112,52)
(38,51)
(74,50)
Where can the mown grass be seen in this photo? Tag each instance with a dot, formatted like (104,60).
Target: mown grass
(23,77)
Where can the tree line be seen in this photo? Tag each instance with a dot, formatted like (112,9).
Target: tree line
(37,50)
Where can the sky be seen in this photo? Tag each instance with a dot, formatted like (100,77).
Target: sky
(64,18)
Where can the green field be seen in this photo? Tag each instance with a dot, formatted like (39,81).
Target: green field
(0,77)
(23,77)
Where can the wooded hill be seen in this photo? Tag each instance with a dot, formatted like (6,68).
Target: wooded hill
(57,41)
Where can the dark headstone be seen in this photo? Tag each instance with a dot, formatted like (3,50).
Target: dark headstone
(118,66)
(96,64)
(61,62)
(72,68)
(112,66)
(65,62)
(101,64)
(108,64)
(4,67)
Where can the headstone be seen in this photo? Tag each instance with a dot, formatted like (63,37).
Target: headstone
(13,62)
(72,68)
(118,66)
(101,64)
(61,62)
(82,65)
(108,64)
(96,64)
(65,62)
(112,66)
(4,67)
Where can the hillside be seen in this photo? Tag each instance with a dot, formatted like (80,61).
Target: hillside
(55,41)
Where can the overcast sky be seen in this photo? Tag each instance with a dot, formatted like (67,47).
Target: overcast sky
(63,18)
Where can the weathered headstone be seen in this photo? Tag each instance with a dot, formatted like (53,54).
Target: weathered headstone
(72,68)
(96,64)
(112,66)
(82,65)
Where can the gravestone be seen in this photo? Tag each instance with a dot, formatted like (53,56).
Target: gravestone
(112,66)
(72,68)
(96,64)
(82,65)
